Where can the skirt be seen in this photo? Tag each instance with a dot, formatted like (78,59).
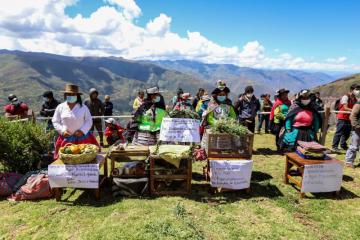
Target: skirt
(146,138)
(62,141)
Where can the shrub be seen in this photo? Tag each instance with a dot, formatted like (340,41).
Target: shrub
(22,145)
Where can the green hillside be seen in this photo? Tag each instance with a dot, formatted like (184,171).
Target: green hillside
(338,87)
(28,75)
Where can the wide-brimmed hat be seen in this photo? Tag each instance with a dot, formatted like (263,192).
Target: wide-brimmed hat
(71,88)
(186,96)
(12,98)
(110,120)
(205,98)
(220,89)
(281,91)
(153,90)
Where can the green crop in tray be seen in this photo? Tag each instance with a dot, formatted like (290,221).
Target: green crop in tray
(229,126)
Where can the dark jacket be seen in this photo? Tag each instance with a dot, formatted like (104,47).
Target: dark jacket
(48,108)
(247,108)
(96,107)
(108,108)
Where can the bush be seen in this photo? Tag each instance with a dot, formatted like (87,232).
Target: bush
(22,145)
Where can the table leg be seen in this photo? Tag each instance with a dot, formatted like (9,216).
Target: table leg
(302,195)
(58,193)
(287,167)
(248,190)
(97,194)
(337,193)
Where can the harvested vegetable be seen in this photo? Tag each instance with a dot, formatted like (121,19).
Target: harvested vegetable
(186,113)
(229,126)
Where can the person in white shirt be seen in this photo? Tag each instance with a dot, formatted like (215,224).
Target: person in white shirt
(72,120)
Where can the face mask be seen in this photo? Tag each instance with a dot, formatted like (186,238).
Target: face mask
(71,99)
(15,102)
(249,95)
(305,102)
(221,98)
(357,93)
(157,99)
(46,99)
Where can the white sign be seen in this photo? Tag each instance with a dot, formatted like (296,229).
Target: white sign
(180,130)
(322,178)
(230,174)
(74,176)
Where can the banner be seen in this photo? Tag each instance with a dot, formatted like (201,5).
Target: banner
(230,174)
(322,178)
(74,176)
(180,130)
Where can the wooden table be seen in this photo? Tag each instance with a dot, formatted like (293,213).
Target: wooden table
(206,172)
(102,161)
(294,160)
(127,154)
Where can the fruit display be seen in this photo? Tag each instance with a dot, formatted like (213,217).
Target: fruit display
(78,153)
(79,149)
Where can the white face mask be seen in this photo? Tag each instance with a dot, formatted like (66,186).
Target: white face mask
(305,102)
(356,93)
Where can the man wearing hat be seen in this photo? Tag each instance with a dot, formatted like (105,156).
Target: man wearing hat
(96,108)
(113,131)
(48,107)
(72,120)
(15,109)
(247,107)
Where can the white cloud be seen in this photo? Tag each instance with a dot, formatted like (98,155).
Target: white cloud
(42,25)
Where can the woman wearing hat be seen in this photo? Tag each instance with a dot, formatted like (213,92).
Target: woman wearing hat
(184,103)
(278,114)
(220,106)
(148,118)
(72,120)
(302,122)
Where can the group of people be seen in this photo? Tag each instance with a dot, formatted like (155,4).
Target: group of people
(289,120)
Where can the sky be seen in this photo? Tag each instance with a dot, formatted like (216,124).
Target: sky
(272,34)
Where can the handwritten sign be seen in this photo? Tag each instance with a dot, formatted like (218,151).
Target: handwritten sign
(230,174)
(180,130)
(74,176)
(322,178)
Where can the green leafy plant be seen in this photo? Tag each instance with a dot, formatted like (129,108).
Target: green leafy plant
(22,145)
(229,126)
(186,113)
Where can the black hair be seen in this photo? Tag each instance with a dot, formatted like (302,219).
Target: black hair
(48,94)
(354,86)
(249,89)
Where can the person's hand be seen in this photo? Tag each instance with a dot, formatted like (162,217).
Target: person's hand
(66,134)
(79,133)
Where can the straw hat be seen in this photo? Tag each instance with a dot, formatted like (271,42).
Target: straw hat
(153,90)
(71,88)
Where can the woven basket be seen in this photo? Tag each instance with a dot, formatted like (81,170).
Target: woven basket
(79,158)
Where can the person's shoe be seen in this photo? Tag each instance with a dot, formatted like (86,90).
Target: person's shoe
(345,148)
(266,131)
(257,131)
(335,150)
(349,165)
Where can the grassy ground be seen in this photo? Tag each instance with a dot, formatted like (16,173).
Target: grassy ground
(272,211)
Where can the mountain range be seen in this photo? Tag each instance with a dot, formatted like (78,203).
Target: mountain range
(29,74)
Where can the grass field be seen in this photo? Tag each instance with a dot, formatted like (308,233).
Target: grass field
(272,211)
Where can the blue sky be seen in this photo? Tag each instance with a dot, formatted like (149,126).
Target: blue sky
(272,34)
(316,30)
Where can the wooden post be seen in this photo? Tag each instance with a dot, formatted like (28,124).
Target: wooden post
(325,125)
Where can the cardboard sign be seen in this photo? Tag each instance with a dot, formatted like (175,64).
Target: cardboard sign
(322,178)
(180,130)
(74,176)
(230,174)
